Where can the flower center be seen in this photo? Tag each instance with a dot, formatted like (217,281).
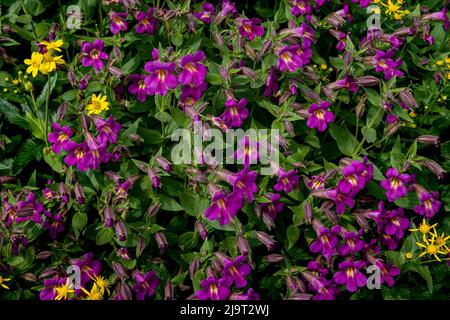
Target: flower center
(432,249)
(161,74)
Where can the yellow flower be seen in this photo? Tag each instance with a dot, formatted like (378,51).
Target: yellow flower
(441,240)
(424,228)
(447,60)
(439,62)
(2,282)
(432,248)
(34,63)
(63,290)
(49,63)
(94,294)
(53,45)
(102,283)
(97,105)
(408,255)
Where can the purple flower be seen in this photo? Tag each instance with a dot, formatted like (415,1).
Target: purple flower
(271,83)
(350,275)
(59,137)
(207,11)
(212,289)
(228,8)
(387,271)
(438,16)
(147,23)
(384,63)
(28,209)
(191,94)
(250,28)
(244,184)
(145,285)
(287,180)
(319,117)
(353,181)
(235,113)
(118,22)
(247,151)
(326,241)
(352,243)
(223,207)
(138,87)
(93,54)
(273,207)
(193,72)
(395,184)
(89,268)
(235,271)
(429,204)
(348,82)
(300,7)
(160,77)
(54,224)
(80,155)
(293,58)
(316,183)
(108,130)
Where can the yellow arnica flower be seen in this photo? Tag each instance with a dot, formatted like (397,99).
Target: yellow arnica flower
(424,228)
(2,282)
(34,63)
(102,283)
(95,293)
(53,45)
(432,248)
(63,290)
(97,104)
(49,63)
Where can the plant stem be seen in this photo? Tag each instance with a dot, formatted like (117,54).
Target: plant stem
(47,102)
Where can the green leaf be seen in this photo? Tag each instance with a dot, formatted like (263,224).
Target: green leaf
(370,134)
(193,204)
(424,271)
(35,126)
(179,279)
(409,201)
(29,151)
(293,233)
(104,236)
(79,221)
(345,140)
(12,114)
(187,240)
(169,204)
(33,7)
(53,160)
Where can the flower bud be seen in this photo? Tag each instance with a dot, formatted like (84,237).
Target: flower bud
(161,242)
(266,239)
(428,139)
(79,193)
(121,231)
(243,245)
(193,267)
(274,258)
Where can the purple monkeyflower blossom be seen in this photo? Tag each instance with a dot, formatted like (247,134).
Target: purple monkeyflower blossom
(384,63)
(79,154)
(212,289)
(108,130)
(317,269)
(438,16)
(235,271)
(348,82)
(118,22)
(300,7)
(273,207)
(223,207)
(319,117)
(147,23)
(28,209)
(271,83)
(191,94)
(326,241)
(429,204)
(387,271)
(353,181)
(251,28)
(54,224)
(244,183)
(93,54)
(350,275)
(293,58)
(145,285)
(138,87)
(395,184)
(193,72)
(247,151)
(205,14)
(235,113)
(88,266)
(287,180)
(316,183)
(160,77)
(352,243)
(228,9)
(59,137)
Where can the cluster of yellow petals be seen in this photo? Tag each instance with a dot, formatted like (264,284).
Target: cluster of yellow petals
(47,62)
(433,244)
(394,8)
